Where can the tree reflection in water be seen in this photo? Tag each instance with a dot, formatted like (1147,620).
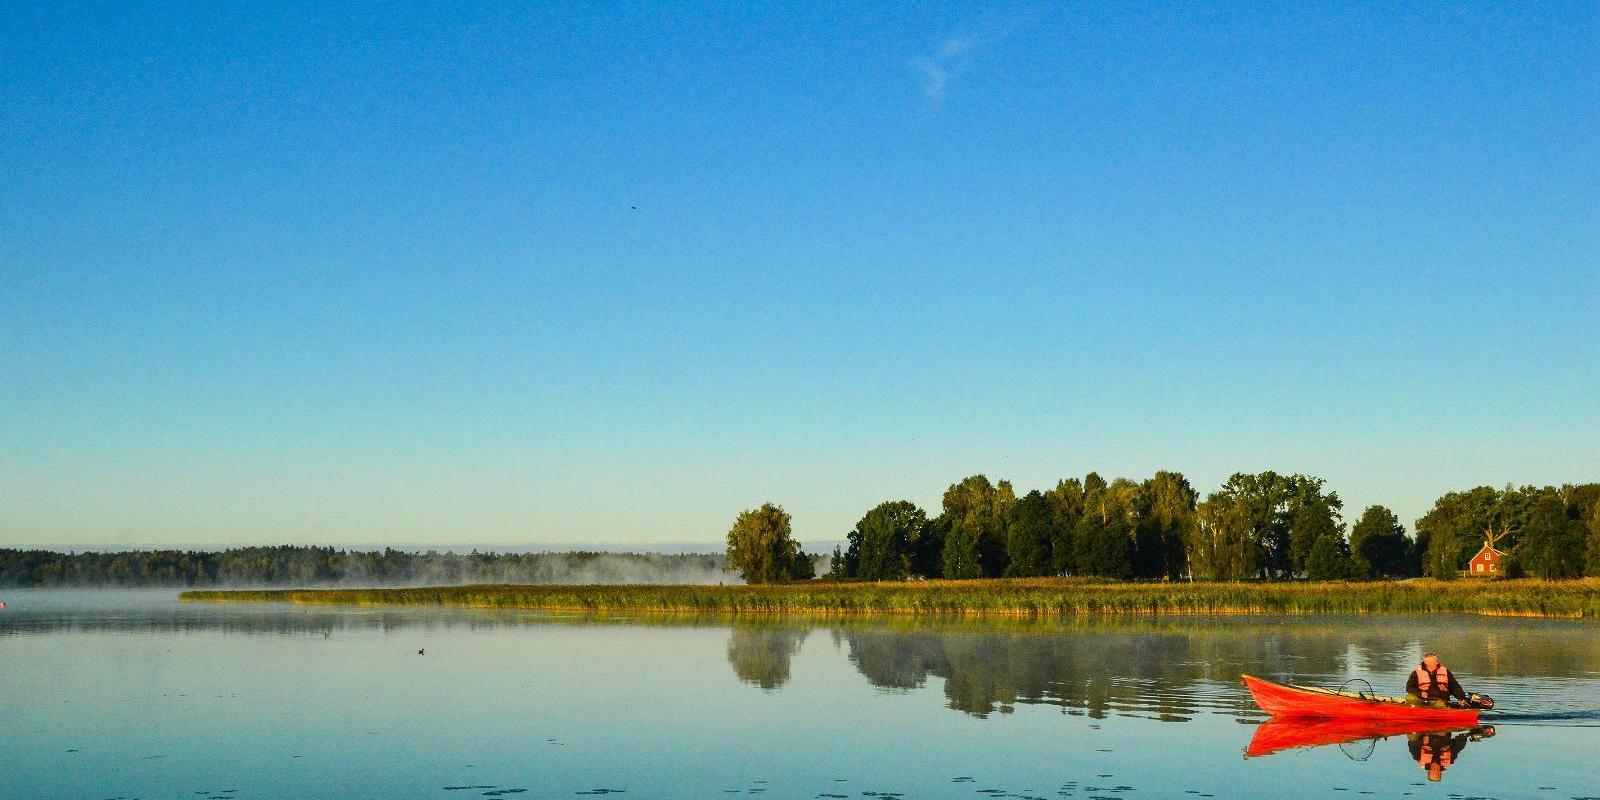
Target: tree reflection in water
(1162,671)
(1168,669)
(760,654)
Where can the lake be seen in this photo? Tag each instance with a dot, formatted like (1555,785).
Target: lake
(134,695)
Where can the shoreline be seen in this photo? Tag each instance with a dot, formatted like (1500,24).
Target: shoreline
(1035,597)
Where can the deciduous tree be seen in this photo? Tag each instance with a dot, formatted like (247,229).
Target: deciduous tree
(1166,523)
(881,544)
(1594,541)
(1105,532)
(1066,508)
(1551,540)
(1313,515)
(1379,547)
(762,549)
(974,519)
(1028,537)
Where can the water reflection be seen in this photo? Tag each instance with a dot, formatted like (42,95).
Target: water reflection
(761,654)
(1173,669)
(316,696)
(1168,675)
(1433,751)
(1436,751)
(1168,669)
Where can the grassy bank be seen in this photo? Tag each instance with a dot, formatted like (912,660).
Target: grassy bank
(1030,597)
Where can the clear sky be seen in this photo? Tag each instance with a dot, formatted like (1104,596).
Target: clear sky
(540,272)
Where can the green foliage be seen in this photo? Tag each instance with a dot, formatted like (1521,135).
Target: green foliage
(838,567)
(1255,526)
(1379,545)
(1329,559)
(927,550)
(1250,518)
(1512,566)
(1166,524)
(804,567)
(1219,547)
(1028,537)
(974,520)
(1455,528)
(1313,516)
(1594,541)
(882,546)
(1106,529)
(1551,541)
(1066,508)
(1583,501)
(762,549)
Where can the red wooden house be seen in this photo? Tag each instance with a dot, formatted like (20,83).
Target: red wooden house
(1486,563)
(1489,561)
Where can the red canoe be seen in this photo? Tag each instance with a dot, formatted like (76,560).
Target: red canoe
(1282,700)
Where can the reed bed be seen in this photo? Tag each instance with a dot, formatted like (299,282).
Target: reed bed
(1040,597)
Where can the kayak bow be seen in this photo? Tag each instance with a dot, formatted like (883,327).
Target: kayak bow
(1284,700)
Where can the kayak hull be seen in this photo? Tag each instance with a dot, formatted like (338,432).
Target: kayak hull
(1284,700)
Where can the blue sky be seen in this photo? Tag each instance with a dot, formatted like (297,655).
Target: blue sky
(462,274)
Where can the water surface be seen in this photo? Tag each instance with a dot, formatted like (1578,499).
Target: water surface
(128,695)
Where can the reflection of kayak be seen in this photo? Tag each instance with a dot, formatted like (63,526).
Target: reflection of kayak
(1283,733)
(1282,700)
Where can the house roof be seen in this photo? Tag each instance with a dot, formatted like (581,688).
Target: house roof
(1487,548)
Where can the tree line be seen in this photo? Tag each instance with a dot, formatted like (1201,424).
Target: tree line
(1261,526)
(291,565)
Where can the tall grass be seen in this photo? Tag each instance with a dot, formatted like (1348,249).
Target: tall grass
(1036,597)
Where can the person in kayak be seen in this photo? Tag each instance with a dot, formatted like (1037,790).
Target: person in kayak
(1431,685)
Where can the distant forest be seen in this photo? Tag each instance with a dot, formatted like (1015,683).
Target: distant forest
(1256,526)
(318,566)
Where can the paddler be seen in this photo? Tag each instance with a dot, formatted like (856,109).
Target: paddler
(1431,685)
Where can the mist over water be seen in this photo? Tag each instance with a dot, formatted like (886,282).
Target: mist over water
(324,567)
(561,568)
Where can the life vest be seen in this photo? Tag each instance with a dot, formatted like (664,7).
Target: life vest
(1433,685)
(1430,752)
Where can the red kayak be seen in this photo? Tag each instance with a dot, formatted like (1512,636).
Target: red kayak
(1283,700)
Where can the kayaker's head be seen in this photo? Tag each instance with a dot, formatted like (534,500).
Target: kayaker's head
(1430,661)
(1435,771)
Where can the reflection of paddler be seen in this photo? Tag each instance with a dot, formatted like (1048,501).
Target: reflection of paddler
(1435,752)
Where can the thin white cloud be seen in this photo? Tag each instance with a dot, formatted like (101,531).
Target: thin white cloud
(933,78)
(933,68)
(955,46)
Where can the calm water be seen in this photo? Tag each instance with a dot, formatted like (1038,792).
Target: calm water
(137,696)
